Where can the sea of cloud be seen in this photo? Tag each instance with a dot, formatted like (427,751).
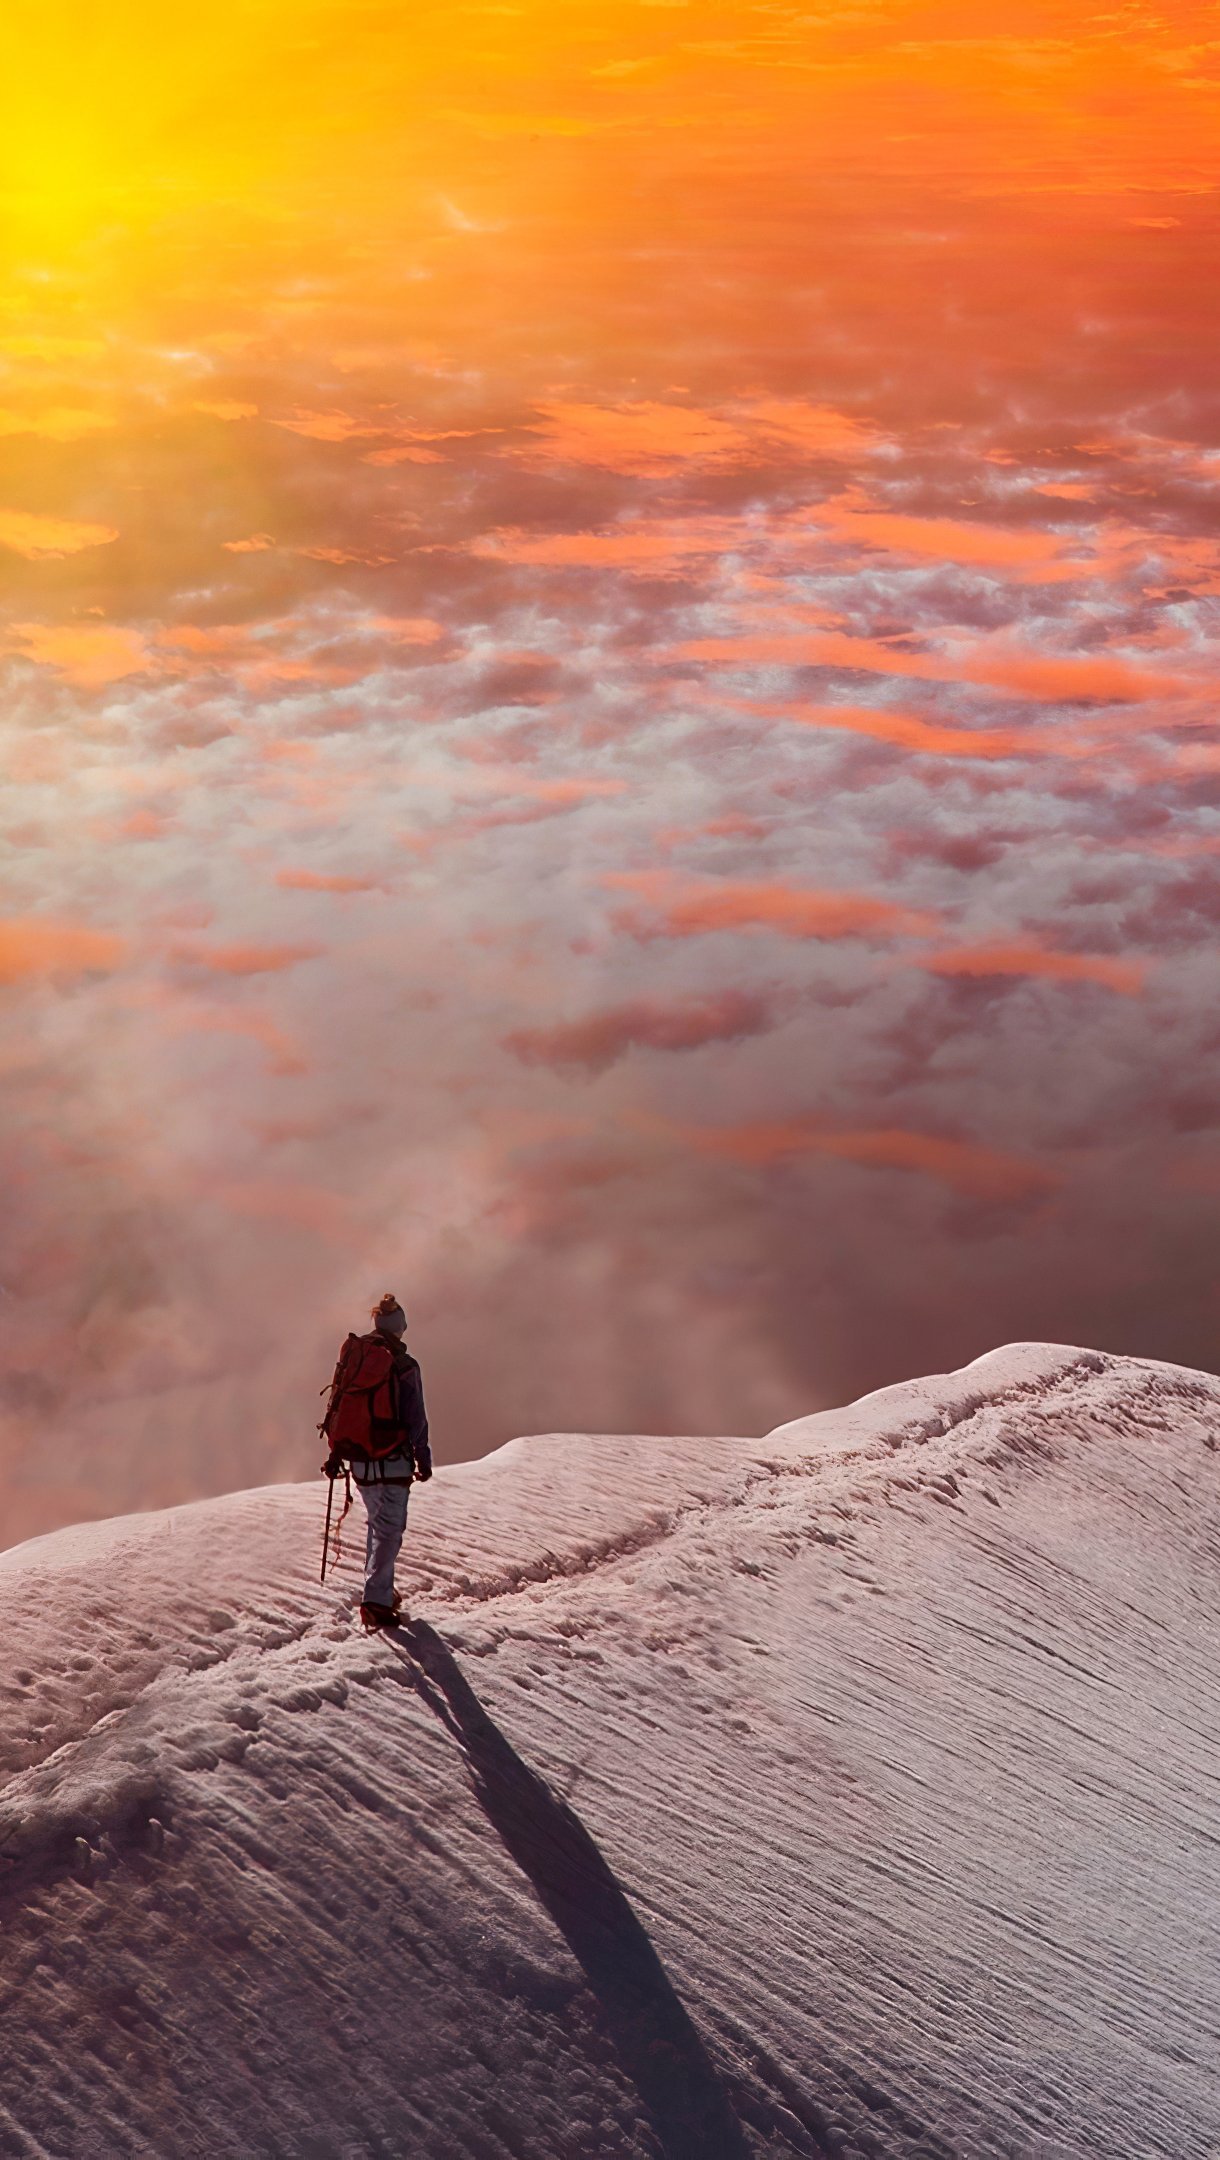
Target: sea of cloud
(659,802)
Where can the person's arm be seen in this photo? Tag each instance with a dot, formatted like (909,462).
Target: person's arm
(415,1418)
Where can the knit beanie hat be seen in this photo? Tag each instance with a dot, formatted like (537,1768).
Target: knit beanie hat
(389,1315)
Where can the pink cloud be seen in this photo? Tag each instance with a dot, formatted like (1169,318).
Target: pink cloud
(31,949)
(1023,956)
(319,881)
(981,1173)
(910,731)
(601,1038)
(285,1055)
(247,959)
(569,791)
(315,1210)
(530,802)
(407,629)
(259,656)
(676,907)
(144,824)
(734,825)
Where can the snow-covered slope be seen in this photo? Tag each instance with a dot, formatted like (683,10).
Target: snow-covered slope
(855,1791)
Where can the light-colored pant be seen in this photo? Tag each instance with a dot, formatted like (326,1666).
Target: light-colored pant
(386,1507)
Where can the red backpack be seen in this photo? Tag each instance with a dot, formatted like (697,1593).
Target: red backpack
(362,1414)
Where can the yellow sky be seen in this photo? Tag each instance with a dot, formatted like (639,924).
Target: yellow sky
(132,110)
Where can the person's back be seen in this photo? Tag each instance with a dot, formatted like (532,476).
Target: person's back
(384,1469)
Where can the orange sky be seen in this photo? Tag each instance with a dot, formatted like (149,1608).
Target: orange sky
(608,630)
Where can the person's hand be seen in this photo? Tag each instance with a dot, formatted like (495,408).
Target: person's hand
(423,1473)
(333,1466)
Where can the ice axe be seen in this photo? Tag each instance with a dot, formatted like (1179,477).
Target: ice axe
(331,1474)
(330,1501)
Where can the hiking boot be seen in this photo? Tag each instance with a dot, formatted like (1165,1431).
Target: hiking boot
(378,1616)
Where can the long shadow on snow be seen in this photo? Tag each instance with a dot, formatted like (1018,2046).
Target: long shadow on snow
(659,2047)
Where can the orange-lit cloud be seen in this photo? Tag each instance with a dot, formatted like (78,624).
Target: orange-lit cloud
(143,824)
(339,556)
(28,532)
(1018,551)
(320,881)
(648,437)
(261,656)
(247,959)
(802,428)
(410,446)
(1023,956)
(206,640)
(994,663)
(641,438)
(407,629)
(1070,678)
(403,454)
(31,949)
(734,825)
(285,1055)
(981,1173)
(329,427)
(91,654)
(573,789)
(675,907)
(652,547)
(910,731)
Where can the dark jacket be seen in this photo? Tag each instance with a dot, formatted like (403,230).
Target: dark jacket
(414,1457)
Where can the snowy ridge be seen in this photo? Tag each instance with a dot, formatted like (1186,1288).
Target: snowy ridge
(855,1790)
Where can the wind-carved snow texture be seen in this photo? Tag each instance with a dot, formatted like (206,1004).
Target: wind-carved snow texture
(855,1791)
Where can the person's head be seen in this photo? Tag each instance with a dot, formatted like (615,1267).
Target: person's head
(388,1315)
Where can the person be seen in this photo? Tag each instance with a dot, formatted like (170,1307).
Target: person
(384,1482)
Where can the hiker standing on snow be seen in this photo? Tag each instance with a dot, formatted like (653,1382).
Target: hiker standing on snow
(377,1428)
